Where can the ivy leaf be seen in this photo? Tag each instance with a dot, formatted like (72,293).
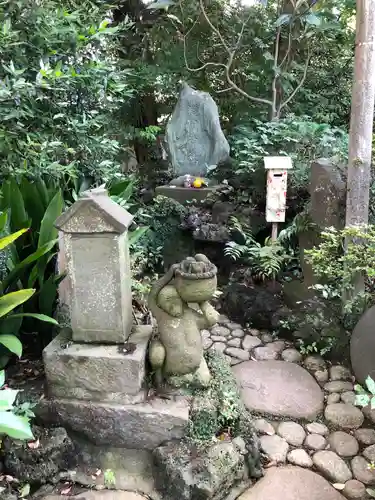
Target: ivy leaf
(371,492)
(362,400)
(370,384)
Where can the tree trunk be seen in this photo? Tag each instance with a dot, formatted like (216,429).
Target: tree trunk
(362,116)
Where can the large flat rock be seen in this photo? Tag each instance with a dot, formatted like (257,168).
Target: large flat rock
(142,426)
(291,483)
(95,372)
(279,388)
(362,346)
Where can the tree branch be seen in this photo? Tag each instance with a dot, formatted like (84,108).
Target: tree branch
(276,72)
(302,81)
(231,54)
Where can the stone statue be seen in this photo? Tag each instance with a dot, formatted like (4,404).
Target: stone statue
(194,137)
(176,353)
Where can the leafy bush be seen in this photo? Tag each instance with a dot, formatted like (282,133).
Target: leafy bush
(12,423)
(31,261)
(299,138)
(11,323)
(61,90)
(325,321)
(337,262)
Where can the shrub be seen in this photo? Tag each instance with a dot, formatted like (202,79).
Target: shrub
(299,138)
(31,261)
(61,90)
(9,301)
(337,262)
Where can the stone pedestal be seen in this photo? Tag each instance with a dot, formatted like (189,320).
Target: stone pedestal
(184,195)
(95,372)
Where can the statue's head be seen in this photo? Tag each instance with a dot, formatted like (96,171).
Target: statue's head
(195,279)
(170,301)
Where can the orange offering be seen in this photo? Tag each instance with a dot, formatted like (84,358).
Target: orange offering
(198,182)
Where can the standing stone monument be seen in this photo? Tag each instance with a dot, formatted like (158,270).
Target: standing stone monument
(96,370)
(97,260)
(195,142)
(328,194)
(194,136)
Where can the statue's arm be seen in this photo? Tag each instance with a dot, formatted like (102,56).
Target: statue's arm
(209,317)
(158,285)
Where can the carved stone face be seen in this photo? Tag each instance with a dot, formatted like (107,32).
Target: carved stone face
(200,290)
(170,301)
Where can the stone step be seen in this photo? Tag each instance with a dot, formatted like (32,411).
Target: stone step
(142,426)
(96,372)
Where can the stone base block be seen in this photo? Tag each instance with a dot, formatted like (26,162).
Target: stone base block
(183,195)
(96,372)
(141,426)
(133,470)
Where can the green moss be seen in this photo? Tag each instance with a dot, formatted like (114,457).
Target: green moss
(219,407)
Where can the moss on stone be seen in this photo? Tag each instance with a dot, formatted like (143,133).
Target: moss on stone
(219,407)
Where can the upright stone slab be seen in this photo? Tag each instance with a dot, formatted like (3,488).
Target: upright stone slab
(97,261)
(194,136)
(362,346)
(328,194)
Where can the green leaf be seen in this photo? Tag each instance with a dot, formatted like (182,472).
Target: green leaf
(43,192)
(358,388)
(18,215)
(25,490)
(48,295)
(19,268)
(12,300)
(2,378)
(7,240)
(283,19)
(362,400)
(33,203)
(7,399)
(313,19)
(370,492)
(15,426)
(48,231)
(3,220)
(135,235)
(40,317)
(370,384)
(12,343)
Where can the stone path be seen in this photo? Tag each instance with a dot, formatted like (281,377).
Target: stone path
(316,443)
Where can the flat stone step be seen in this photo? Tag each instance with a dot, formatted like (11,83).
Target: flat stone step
(279,388)
(139,426)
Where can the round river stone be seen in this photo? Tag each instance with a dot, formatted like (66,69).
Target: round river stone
(291,483)
(343,415)
(279,388)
